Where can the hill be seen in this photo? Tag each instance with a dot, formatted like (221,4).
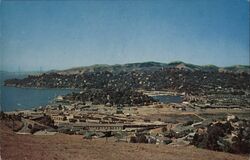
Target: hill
(61,146)
(152,66)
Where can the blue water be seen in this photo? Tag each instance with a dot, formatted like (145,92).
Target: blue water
(168,99)
(13,98)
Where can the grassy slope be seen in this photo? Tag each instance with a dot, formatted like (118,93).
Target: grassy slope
(60,146)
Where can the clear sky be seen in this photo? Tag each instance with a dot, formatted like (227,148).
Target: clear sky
(63,34)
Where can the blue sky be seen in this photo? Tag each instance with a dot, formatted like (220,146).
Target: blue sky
(64,34)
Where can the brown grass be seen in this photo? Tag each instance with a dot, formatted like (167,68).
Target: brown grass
(72,147)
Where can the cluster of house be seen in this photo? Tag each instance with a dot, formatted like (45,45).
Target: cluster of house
(194,82)
(89,118)
(78,123)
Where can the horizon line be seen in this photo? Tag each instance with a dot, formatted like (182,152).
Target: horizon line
(72,67)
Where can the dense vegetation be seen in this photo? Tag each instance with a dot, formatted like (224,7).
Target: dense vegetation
(231,137)
(196,82)
(112,97)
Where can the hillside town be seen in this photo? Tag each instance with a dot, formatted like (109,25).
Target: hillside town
(155,124)
(203,87)
(212,111)
(124,80)
(197,82)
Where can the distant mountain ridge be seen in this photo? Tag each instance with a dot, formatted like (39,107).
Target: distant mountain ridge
(175,77)
(151,66)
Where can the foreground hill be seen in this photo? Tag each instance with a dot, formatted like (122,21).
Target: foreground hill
(61,146)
